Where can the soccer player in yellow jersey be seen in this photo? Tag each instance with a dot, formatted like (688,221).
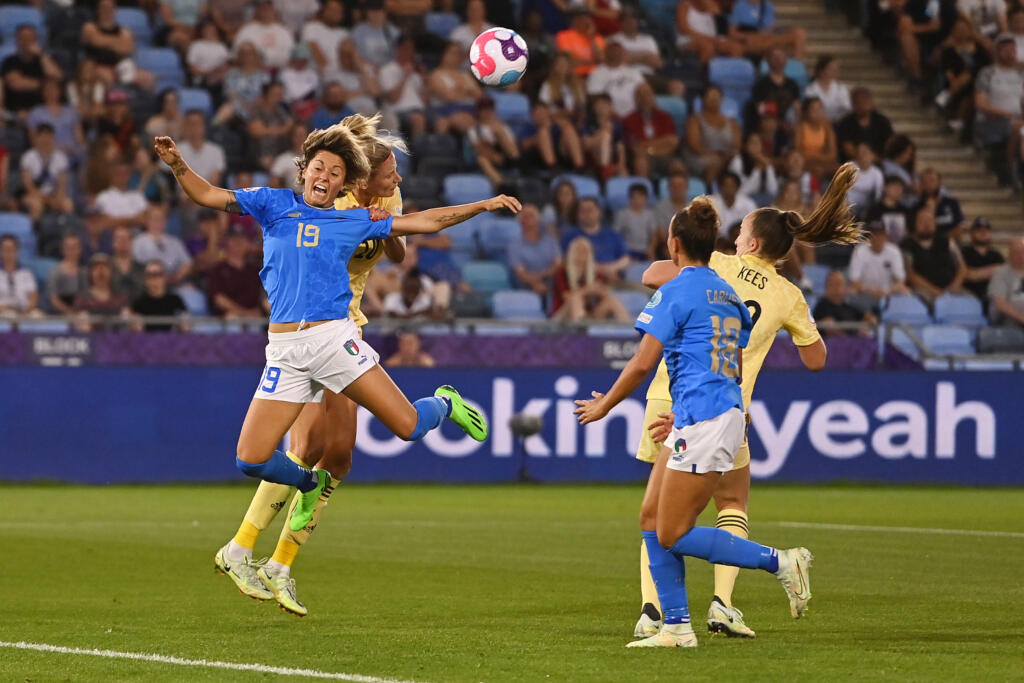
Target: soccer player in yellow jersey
(766,236)
(309,442)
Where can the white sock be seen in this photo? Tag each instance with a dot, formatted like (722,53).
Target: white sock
(277,569)
(678,629)
(237,553)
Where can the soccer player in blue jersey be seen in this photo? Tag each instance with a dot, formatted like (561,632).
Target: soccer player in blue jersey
(700,326)
(313,344)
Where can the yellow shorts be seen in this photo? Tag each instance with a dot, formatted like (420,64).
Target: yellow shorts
(648,450)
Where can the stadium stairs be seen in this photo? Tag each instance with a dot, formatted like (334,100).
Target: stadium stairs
(963,171)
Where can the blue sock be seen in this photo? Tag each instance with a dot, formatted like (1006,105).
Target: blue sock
(669,574)
(280,469)
(718,546)
(430,412)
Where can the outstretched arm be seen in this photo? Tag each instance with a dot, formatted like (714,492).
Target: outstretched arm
(436,220)
(195,186)
(647,355)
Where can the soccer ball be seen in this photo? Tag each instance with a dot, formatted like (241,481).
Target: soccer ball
(498,57)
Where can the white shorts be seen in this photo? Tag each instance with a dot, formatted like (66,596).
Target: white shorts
(301,364)
(709,445)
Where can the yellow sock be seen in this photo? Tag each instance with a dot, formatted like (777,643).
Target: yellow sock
(648,591)
(289,542)
(735,522)
(269,499)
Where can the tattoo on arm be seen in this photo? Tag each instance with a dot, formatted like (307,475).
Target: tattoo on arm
(232,205)
(179,169)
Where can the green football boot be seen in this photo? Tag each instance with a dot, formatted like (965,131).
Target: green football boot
(463,414)
(303,512)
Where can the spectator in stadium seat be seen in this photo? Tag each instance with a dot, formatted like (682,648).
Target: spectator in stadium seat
(961,56)
(476,23)
(752,24)
(795,169)
(493,142)
(534,257)
(118,122)
(243,83)
(67,130)
(233,285)
(998,90)
(155,243)
(826,87)
(547,143)
(539,42)
(410,353)
(607,15)
(208,57)
(294,13)
(755,171)
(949,217)
(325,33)
(300,80)
(876,267)
(1006,289)
(98,299)
(44,175)
(900,161)
(562,90)
(283,170)
(106,42)
(156,301)
(868,188)
(603,139)
(816,140)
(332,107)
(933,262)
(617,79)
(833,308)
(863,124)
(922,24)
(118,204)
(697,31)
(581,291)
(581,41)
(265,31)
(401,88)
(23,72)
(202,155)
(676,200)
(985,18)
(206,245)
(1015,18)
(891,211)
(270,124)
(560,214)
(776,139)
(358,79)
(178,19)
(454,91)
(126,272)
(712,138)
(650,134)
(413,300)
(87,92)
(148,179)
(19,294)
(732,205)
(776,87)
(981,259)
(168,120)
(636,224)
(642,50)
(375,37)
(608,247)
(67,279)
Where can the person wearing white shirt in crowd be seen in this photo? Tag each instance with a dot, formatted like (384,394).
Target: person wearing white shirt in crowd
(876,267)
(200,154)
(866,192)
(401,87)
(988,17)
(325,33)
(156,244)
(294,13)
(282,170)
(357,77)
(732,205)
(299,78)
(267,34)
(834,96)
(117,204)
(616,79)
(413,300)
(476,23)
(375,37)
(755,170)
(207,57)
(44,175)
(641,48)
(19,294)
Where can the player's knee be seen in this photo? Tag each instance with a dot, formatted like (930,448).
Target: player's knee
(648,517)
(337,461)
(668,537)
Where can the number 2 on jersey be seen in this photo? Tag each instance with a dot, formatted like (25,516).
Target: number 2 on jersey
(724,344)
(308,235)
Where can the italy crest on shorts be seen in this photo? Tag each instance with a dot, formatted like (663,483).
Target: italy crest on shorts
(679,446)
(352,347)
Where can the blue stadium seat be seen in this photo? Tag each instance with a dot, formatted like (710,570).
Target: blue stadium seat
(1001,340)
(496,234)
(905,344)
(196,98)
(734,75)
(441,24)
(585,185)
(518,304)
(633,301)
(420,187)
(947,340)
(15,223)
(163,62)
(511,107)
(904,308)
(635,272)
(464,188)
(486,276)
(616,190)
(137,23)
(195,301)
(465,236)
(13,16)
(41,268)
(675,107)
(817,274)
(730,107)
(953,309)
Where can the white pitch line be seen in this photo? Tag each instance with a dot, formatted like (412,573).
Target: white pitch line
(899,529)
(165,659)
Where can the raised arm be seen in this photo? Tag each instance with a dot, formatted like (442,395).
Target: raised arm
(659,273)
(195,186)
(436,220)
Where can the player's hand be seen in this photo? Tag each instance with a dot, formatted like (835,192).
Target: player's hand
(379,214)
(661,428)
(591,410)
(166,150)
(502,201)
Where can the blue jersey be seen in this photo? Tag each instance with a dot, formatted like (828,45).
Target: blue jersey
(702,323)
(306,253)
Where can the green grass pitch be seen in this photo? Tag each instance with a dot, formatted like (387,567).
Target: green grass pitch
(507,583)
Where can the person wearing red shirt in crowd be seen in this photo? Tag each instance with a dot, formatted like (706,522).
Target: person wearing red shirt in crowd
(233,286)
(650,134)
(582,43)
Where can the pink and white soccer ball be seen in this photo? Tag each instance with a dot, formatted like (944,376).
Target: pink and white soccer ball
(498,57)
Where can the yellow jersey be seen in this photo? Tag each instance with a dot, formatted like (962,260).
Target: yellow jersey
(368,253)
(775,303)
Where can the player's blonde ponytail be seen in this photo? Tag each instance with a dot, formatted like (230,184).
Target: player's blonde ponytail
(377,144)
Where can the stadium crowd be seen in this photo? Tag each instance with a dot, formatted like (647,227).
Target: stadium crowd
(626,112)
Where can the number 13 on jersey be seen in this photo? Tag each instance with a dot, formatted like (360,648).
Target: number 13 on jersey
(308,235)
(725,345)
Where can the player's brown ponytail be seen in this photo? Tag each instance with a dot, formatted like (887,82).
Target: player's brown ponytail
(832,221)
(696,227)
